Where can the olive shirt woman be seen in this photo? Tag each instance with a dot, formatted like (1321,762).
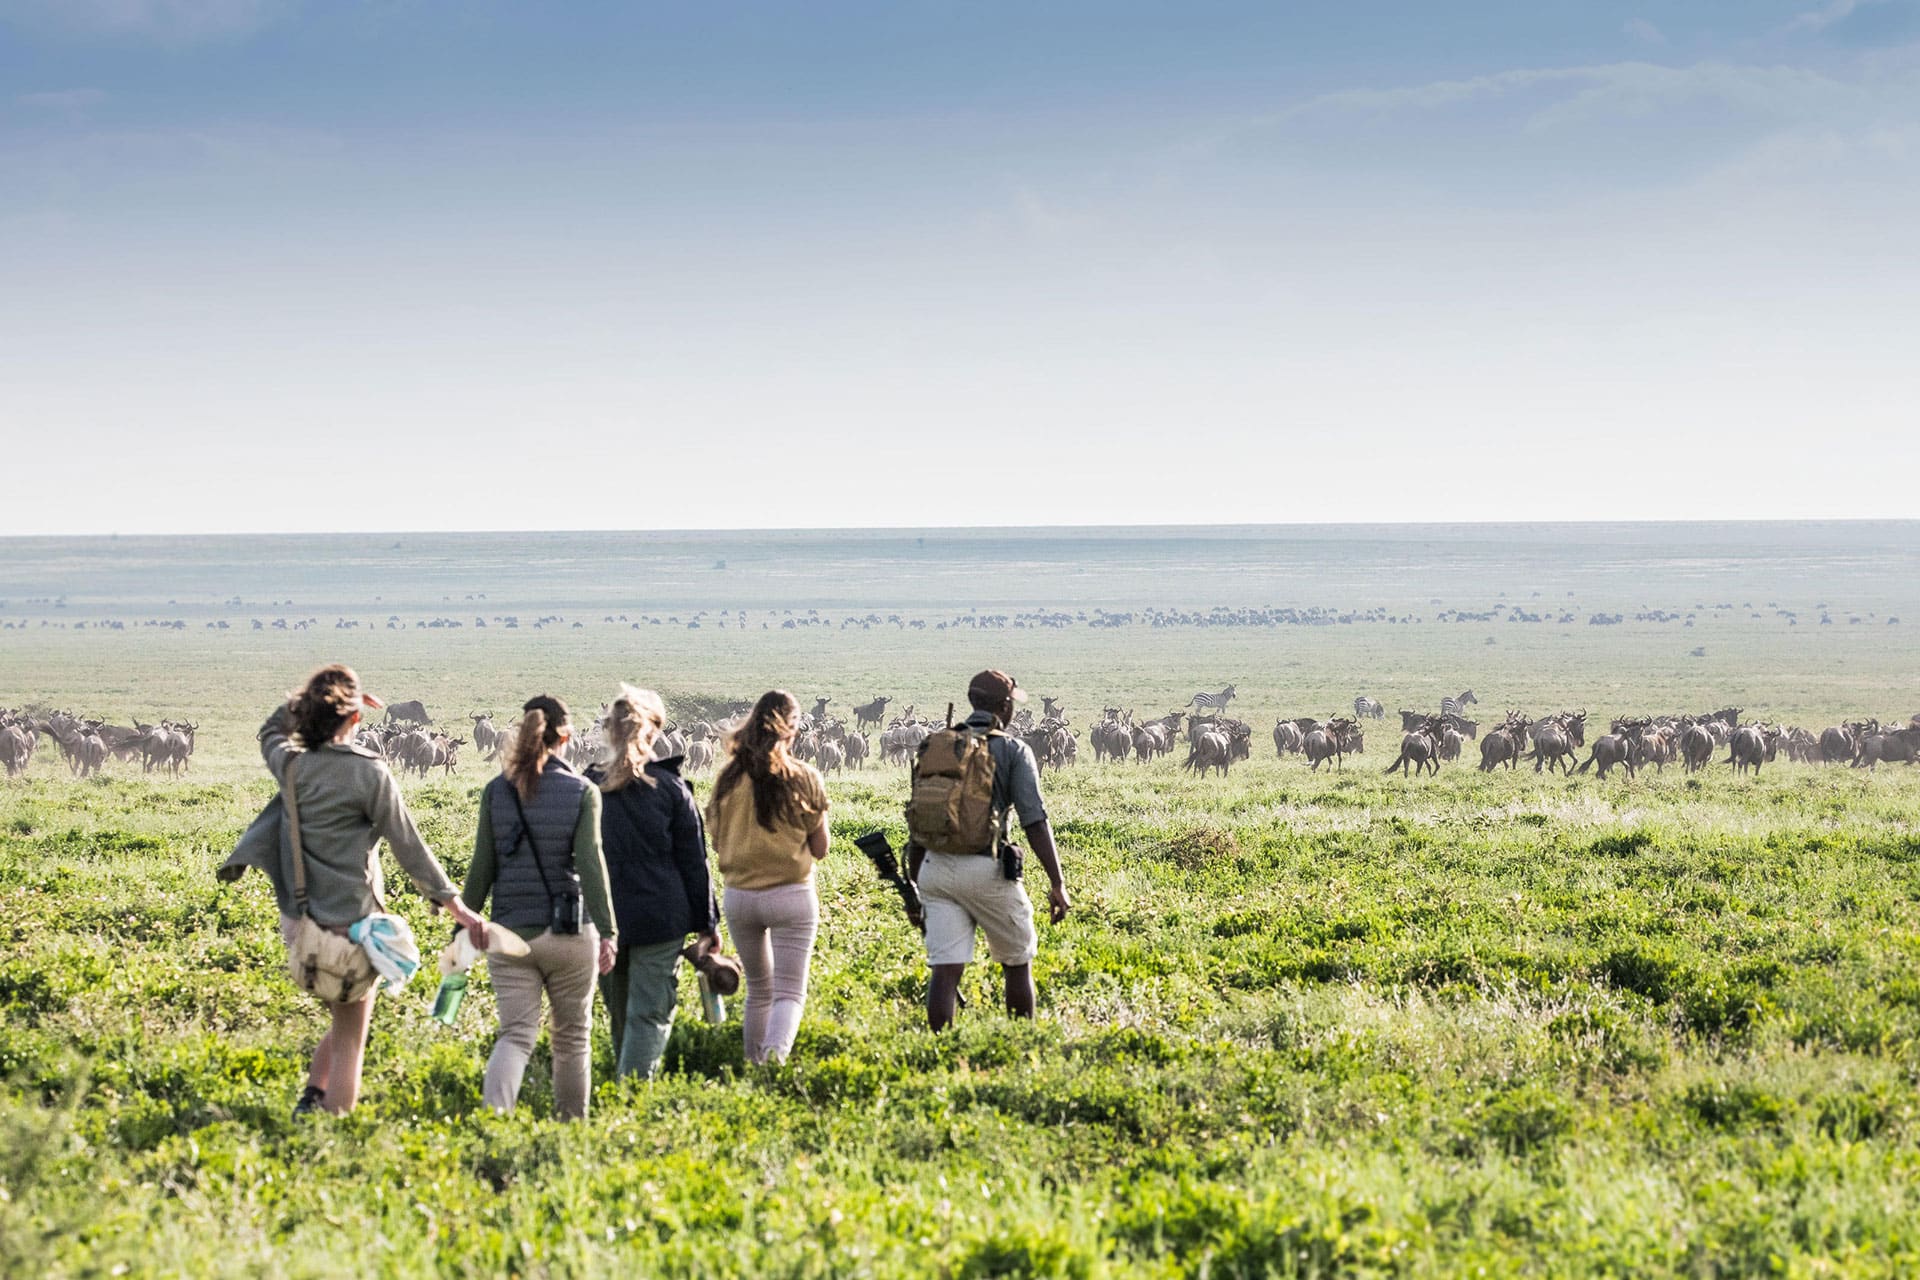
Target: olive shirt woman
(539,822)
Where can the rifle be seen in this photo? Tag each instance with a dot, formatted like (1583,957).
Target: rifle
(879,852)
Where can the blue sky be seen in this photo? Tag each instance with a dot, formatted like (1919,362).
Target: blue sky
(838,264)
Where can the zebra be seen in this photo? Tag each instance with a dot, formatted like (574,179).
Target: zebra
(1365,708)
(1204,702)
(1452,706)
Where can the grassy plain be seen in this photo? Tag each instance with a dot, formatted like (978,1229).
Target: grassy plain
(1297,1024)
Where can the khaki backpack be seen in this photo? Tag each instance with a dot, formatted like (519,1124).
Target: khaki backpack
(950,809)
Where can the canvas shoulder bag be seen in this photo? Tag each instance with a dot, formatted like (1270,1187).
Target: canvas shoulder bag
(321,962)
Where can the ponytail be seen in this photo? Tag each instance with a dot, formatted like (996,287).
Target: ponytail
(534,742)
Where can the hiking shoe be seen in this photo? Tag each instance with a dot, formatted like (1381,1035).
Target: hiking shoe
(310,1099)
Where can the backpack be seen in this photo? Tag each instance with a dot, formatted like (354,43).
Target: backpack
(950,808)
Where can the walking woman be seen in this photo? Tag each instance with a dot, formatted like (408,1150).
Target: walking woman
(656,850)
(537,855)
(768,819)
(347,803)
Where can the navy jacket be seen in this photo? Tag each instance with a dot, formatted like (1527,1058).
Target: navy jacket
(656,848)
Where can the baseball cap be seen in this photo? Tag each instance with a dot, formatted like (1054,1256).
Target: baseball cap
(994,687)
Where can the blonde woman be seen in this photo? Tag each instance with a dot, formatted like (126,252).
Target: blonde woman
(768,820)
(656,849)
(537,855)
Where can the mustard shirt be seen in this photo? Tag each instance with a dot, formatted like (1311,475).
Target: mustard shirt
(752,857)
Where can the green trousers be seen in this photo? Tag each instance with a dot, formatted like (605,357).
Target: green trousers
(641,990)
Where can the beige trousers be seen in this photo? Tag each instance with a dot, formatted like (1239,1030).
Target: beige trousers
(563,969)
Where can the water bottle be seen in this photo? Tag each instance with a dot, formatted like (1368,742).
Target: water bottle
(455,960)
(710,1002)
(446,1001)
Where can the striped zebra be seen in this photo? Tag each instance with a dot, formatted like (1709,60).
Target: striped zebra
(1452,706)
(1365,708)
(1204,702)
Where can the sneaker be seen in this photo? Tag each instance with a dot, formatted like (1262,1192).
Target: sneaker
(310,1099)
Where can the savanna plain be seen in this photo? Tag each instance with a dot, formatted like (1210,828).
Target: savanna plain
(1298,1023)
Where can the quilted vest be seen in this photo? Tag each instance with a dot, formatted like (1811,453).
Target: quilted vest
(519,897)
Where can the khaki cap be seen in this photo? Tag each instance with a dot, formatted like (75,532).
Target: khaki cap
(995,687)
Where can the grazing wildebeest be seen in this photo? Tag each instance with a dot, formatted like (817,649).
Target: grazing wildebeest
(413,712)
(1746,749)
(1696,747)
(870,714)
(1365,708)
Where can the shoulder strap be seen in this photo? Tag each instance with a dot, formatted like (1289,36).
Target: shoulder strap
(292,805)
(526,833)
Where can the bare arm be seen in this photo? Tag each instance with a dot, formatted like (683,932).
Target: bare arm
(1040,840)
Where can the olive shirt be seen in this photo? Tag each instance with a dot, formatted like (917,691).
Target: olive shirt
(752,857)
(348,803)
(587,860)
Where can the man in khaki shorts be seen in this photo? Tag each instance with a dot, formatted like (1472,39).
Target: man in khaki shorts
(965,892)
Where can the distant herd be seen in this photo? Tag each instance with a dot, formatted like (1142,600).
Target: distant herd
(1213,740)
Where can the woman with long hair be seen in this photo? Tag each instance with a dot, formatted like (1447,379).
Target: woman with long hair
(656,850)
(537,855)
(348,802)
(768,818)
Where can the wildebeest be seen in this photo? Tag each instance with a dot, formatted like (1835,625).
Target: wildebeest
(1610,750)
(1287,736)
(1420,749)
(1893,746)
(1553,746)
(1746,749)
(1504,745)
(1207,750)
(1331,741)
(412,712)
(1696,747)
(829,757)
(1837,744)
(16,749)
(856,747)
(487,737)
(870,714)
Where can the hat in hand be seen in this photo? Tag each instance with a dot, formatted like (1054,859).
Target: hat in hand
(721,970)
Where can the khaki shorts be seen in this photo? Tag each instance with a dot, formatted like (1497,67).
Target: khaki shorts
(962,892)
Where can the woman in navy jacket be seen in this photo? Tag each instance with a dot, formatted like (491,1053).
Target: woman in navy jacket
(656,850)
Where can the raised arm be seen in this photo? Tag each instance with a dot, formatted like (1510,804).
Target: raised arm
(276,743)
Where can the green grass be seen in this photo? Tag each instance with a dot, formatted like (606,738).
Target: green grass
(1297,1024)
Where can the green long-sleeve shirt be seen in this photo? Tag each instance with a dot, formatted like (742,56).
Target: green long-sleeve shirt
(588,860)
